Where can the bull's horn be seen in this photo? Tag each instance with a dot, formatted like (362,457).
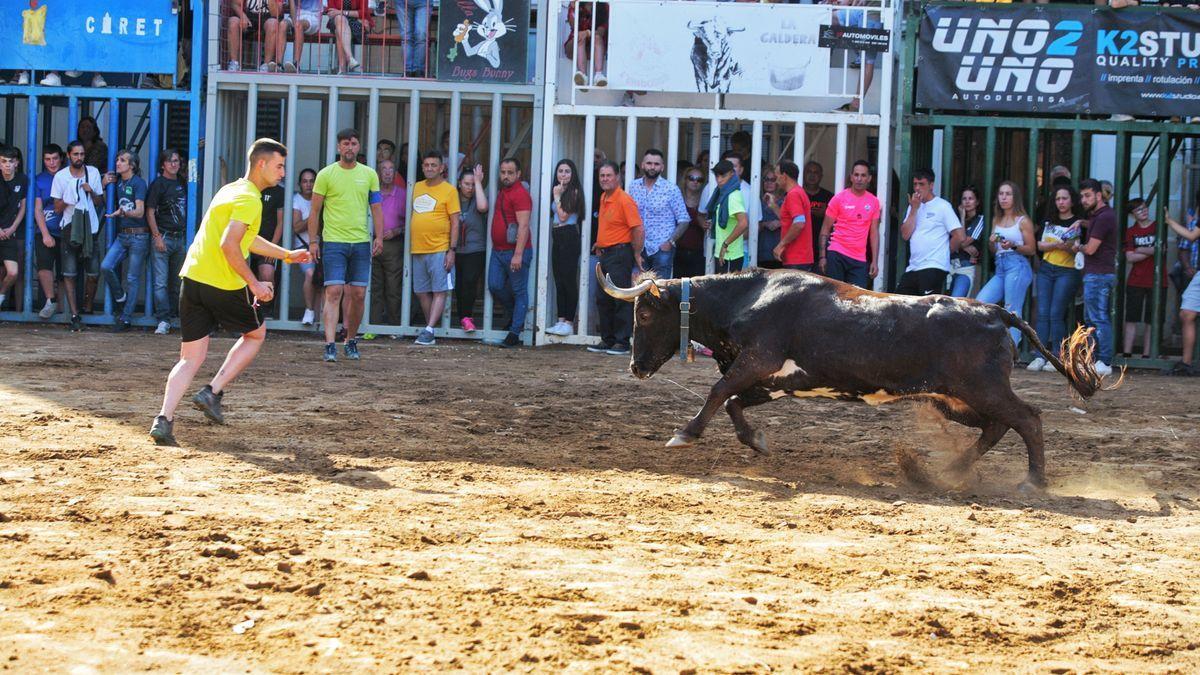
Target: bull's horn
(626,294)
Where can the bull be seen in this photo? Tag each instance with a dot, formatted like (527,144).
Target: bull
(790,333)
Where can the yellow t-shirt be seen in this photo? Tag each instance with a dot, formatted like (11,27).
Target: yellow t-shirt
(430,221)
(205,262)
(347,195)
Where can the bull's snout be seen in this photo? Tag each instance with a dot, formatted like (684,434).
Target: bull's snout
(640,371)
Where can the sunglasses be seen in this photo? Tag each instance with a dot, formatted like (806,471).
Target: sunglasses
(695,179)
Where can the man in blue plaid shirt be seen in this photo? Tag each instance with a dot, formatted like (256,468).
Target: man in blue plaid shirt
(664,214)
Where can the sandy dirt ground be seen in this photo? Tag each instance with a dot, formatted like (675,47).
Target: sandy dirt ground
(460,508)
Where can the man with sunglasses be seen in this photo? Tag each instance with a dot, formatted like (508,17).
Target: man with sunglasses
(166,213)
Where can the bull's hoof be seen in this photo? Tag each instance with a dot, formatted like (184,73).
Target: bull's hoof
(680,441)
(758,443)
(1033,486)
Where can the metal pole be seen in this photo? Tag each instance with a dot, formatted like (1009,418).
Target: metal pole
(714,155)
(289,235)
(1076,153)
(414,120)
(493,188)
(754,208)
(151,174)
(455,132)
(672,149)
(114,131)
(1160,251)
(195,107)
(586,274)
(31,155)
(947,175)
(372,141)
(631,156)
(1120,192)
(989,191)
(1031,182)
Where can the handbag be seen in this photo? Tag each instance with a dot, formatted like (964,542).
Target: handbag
(510,227)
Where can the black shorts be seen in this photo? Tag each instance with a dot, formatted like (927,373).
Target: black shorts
(1137,304)
(256,260)
(922,282)
(203,308)
(10,249)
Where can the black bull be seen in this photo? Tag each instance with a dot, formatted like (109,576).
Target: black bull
(788,333)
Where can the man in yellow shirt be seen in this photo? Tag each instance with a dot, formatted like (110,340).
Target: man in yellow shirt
(434,228)
(218,288)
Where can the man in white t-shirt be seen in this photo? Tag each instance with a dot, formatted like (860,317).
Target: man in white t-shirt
(301,207)
(78,186)
(932,230)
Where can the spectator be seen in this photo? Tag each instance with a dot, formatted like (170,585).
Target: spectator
(726,210)
(344,191)
(306,21)
(768,225)
(445,146)
(270,229)
(1057,278)
(742,143)
(689,248)
(818,198)
(49,252)
(736,160)
(619,242)
(301,209)
(1099,269)
(166,214)
(94,148)
(794,250)
(587,43)
(133,236)
(77,187)
(1012,241)
(932,230)
(1189,307)
(1106,188)
(14,188)
(472,244)
(966,256)
(508,277)
(566,212)
(850,231)
(413,19)
(1141,241)
(346,22)
(663,214)
(387,268)
(261,19)
(434,233)
(1188,256)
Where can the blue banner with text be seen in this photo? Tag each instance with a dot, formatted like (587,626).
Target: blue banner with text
(111,36)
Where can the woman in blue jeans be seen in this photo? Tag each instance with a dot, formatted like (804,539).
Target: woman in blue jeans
(1012,241)
(1057,278)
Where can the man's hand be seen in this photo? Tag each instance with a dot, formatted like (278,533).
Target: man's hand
(914,200)
(263,291)
(778,251)
(639,261)
(376,247)
(515,265)
(119,213)
(48,241)
(159,244)
(666,246)
(299,255)
(314,250)
(108,179)
(448,264)
(873,270)
(821,264)
(87,187)
(3,234)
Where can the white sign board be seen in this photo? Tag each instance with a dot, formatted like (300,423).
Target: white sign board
(726,48)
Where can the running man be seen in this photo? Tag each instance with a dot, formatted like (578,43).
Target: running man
(219,289)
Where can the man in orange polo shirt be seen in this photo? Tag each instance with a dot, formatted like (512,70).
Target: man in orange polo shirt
(619,240)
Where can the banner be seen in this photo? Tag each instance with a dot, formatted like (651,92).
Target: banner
(123,36)
(854,38)
(1059,59)
(483,41)
(727,48)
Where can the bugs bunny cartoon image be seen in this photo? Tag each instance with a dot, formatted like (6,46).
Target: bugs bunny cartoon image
(491,28)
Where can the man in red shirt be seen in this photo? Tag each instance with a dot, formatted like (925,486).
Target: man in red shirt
(512,248)
(1141,241)
(619,241)
(795,248)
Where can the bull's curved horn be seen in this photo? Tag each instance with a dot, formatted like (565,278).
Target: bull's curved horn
(626,294)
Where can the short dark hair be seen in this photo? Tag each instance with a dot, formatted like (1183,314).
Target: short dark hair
(52,148)
(264,147)
(165,155)
(655,152)
(923,174)
(723,167)
(611,165)
(741,138)
(730,154)
(308,169)
(132,157)
(1090,184)
(72,144)
(432,154)
(862,162)
(384,141)
(511,160)
(1134,203)
(347,133)
(788,168)
(9,152)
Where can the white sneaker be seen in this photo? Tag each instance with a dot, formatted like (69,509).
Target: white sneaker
(561,329)
(51,80)
(580,78)
(308,319)
(289,67)
(353,66)
(601,80)
(22,79)
(233,66)
(1103,369)
(263,68)
(1049,368)
(272,66)
(48,310)
(163,328)
(1036,364)
(98,81)
(73,73)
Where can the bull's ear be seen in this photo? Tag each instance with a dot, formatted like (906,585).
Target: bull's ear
(655,290)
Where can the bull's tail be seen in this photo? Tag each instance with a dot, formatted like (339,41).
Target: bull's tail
(1076,364)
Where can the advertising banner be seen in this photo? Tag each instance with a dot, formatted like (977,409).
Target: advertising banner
(483,41)
(726,48)
(111,36)
(1059,59)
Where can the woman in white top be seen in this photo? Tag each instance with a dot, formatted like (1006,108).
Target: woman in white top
(1012,241)
(301,206)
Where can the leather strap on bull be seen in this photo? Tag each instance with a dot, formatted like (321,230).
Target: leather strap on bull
(686,353)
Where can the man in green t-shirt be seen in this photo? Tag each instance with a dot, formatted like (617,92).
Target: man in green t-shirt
(344,191)
(727,211)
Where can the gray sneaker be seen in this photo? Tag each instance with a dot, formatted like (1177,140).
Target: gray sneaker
(351,350)
(209,403)
(617,350)
(163,431)
(330,352)
(48,310)
(425,339)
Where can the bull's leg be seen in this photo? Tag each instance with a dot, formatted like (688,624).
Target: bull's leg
(992,433)
(1004,408)
(755,440)
(743,373)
